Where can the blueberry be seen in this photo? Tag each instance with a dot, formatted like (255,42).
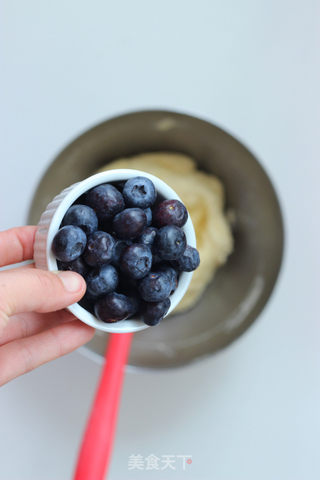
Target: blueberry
(77,265)
(114,307)
(148,213)
(136,261)
(102,280)
(129,223)
(106,200)
(118,250)
(139,192)
(99,249)
(69,243)
(81,216)
(148,236)
(171,273)
(152,313)
(87,302)
(135,302)
(170,242)
(155,287)
(188,261)
(170,212)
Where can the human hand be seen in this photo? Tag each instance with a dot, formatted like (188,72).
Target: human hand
(33,327)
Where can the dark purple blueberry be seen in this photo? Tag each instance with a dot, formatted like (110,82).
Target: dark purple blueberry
(99,249)
(175,281)
(131,291)
(106,200)
(118,250)
(77,266)
(139,192)
(155,287)
(81,216)
(148,236)
(189,260)
(170,212)
(171,273)
(114,307)
(152,313)
(102,280)
(129,223)
(87,302)
(69,243)
(136,261)
(135,300)
(148,213)
(170,242)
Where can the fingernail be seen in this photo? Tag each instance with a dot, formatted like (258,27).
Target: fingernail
(72,282)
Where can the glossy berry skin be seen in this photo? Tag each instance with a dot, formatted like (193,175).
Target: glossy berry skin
(136,261)
(81,216)
(172,275)
(129,223)
(102,280)
(148,236)
(189,260)
(152,313)
(106,200)
(170,242)
(99,249)
(148,213)
(69,243)
(155,287)
(139,192)
(170,212)
(77,266)
(114,307)
(118,250)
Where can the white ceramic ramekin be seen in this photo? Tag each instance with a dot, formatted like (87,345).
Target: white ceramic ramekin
(49,225)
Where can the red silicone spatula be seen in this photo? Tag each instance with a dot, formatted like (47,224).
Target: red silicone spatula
(96,447)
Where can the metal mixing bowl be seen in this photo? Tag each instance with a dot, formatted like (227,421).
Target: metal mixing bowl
(242,287)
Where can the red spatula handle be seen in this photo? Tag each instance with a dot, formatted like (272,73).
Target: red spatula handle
(97,442)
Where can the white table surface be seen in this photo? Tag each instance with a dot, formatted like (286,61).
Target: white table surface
(252,411)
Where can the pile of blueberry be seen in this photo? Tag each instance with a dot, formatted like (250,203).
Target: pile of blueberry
(129,246)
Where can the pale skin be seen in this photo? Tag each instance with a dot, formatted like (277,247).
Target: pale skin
(34,327)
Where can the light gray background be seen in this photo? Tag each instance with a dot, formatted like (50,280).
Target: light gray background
(252,67)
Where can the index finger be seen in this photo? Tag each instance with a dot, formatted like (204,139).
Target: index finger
(16,245)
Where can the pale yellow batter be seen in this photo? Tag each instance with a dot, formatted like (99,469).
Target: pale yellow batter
(203,195)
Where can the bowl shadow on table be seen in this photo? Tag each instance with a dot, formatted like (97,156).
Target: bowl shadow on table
(240,288)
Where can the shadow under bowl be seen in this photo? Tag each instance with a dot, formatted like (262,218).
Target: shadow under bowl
(240,288)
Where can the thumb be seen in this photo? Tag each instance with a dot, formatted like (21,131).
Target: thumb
(30,289)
